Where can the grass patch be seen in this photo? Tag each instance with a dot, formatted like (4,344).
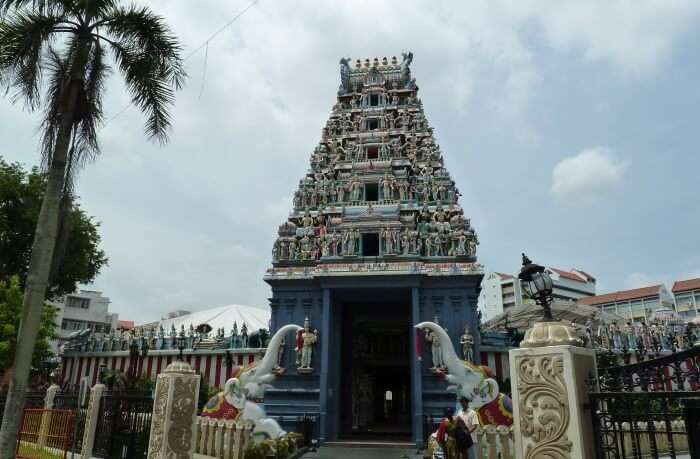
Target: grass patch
(31,451)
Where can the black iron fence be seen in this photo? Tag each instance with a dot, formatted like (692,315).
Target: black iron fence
(124,424)
(34,399)
(648,409)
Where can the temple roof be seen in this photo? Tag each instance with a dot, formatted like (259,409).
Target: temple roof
(377,189)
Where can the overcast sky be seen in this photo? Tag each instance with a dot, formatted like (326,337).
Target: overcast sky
(571,129)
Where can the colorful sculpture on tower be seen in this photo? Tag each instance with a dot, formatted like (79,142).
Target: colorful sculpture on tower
(475,382)
(242,393)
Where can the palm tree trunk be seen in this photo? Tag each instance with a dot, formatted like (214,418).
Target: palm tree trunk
(38,278)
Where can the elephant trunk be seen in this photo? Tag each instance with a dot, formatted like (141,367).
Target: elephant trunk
(270,359)
(452,361)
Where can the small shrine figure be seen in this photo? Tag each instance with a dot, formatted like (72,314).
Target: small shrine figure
(616,336)
(244,335)
(467,342)
(630,336)
(434,341)
(278,369)
(234,336)
(306,340)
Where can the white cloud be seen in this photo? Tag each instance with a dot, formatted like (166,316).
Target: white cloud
(587,176)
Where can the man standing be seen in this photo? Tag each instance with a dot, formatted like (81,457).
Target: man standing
(471,420)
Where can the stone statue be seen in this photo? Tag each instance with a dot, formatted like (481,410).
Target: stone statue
(244,335)
(467,342)
(406,66)
(435,347)
(306,339)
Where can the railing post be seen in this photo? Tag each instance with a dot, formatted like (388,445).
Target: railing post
(91,419)
(174,420)
(550,394)
(46,416)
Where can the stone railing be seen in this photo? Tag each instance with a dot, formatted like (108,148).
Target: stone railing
(221,439)
(641,441)
(495,442)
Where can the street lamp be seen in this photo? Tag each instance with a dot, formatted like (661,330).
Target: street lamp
(538,285)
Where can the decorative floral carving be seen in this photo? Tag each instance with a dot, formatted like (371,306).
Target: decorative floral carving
(543,406)
(182,413)
(160,403)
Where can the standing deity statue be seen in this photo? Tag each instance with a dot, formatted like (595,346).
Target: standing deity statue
(405,242)
(434,341)
(388,241)
(467,342)
(306,339)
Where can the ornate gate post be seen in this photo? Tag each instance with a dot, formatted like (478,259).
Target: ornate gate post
(91,420)
(550,402)
(174,413)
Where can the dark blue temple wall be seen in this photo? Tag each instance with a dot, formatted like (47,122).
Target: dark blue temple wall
(294,394)
(452,298)
(454,302)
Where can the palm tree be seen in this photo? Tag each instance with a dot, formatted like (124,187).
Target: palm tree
(54,56)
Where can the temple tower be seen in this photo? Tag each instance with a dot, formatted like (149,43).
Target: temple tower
(375,243)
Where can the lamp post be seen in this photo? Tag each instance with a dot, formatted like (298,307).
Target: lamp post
(538,285)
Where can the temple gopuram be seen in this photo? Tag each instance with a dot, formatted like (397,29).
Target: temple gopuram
(375,243)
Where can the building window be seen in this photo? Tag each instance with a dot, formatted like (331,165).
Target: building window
(372,152)
(374,100)
(76,302)
(371,192)
(372,124)
(370,244)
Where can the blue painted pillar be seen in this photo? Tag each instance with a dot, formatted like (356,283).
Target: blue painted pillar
(324,421)
(416,370)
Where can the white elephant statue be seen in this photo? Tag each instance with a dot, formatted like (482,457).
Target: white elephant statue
(475,382)
(239,399)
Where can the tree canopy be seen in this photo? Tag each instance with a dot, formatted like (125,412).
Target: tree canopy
(10,313)
(78,257)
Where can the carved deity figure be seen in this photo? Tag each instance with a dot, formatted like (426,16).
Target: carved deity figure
(436,349)
(467,342)
(388,241)
(306,340)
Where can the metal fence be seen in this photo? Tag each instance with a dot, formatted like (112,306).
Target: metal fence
(44,434)
(34,399)
(648,409)
(124,424)
(71,401)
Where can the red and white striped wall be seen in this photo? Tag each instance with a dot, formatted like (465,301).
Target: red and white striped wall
(210,364)
(497,360)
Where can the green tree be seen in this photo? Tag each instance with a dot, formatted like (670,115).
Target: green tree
(10,311)
(77,259)
(62,47)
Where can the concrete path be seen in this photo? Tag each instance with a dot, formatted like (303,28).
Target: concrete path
(337,452)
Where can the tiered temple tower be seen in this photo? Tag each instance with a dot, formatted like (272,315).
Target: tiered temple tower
(375,243)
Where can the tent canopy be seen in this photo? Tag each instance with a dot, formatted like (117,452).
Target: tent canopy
(224,316)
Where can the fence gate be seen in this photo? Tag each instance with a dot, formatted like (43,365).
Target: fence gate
(649,409)
(124,425)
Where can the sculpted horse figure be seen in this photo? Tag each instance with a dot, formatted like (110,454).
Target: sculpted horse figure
(475,382)
(240,399)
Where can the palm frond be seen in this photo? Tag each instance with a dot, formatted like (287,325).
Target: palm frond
(58,80)
(23,37)
(149,57)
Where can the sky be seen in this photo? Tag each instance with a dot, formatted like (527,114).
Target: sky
(571,129)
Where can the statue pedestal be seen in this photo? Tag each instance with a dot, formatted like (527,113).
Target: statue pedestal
(551,416)
(174,413)
(305,371)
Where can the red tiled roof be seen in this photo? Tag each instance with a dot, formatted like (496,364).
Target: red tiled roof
(504,276)
(126,324)
(622,295)
(586,275)
(568,275)
(685,285)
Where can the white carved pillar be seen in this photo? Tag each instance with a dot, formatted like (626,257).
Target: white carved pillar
(551,415)
(174,421)
(91,419)
(46,416)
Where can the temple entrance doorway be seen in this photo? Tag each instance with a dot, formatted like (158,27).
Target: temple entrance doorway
(375,368)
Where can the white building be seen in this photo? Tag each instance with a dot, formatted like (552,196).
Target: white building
(500,292)
(637,305)
(687,296)
(82,310)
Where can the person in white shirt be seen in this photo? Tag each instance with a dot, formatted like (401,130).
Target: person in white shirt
(471,420)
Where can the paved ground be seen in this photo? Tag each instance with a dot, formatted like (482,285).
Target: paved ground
(362,453)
